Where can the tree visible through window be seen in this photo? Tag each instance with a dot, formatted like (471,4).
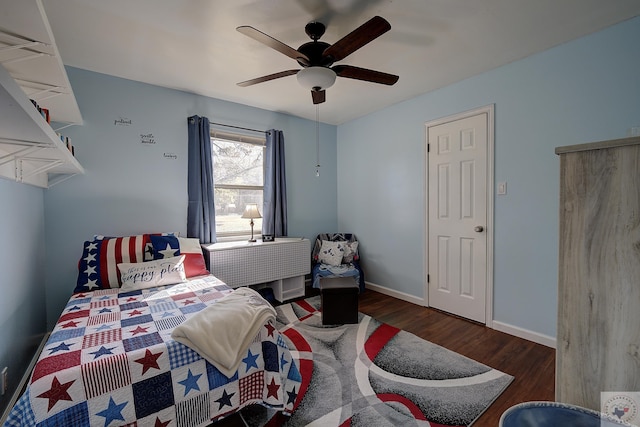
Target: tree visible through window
(238,176)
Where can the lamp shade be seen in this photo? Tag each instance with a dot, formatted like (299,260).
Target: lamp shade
(316,77)
(251,211)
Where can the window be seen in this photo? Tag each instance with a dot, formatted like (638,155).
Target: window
(238,176)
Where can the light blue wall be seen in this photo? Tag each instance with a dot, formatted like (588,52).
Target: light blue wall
(131,188)
(582,91)
(22,279)
(586,90)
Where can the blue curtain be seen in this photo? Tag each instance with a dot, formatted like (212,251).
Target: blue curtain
(201,213)
(274,219)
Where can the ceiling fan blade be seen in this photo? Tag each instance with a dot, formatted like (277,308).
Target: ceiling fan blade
(319,96)
(267,78)
(370,30)
(365,74)
(273,43)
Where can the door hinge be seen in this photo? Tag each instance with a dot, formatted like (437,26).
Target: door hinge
(428,148)
(428,278)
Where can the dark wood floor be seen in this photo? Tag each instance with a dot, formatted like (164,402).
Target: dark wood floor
(532,365)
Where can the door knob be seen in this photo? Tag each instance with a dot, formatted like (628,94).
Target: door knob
(478,229)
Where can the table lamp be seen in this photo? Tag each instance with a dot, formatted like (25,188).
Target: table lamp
(251,211)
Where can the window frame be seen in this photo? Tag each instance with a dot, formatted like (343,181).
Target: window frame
(245,139)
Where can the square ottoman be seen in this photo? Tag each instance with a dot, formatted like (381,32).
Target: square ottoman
(339,300)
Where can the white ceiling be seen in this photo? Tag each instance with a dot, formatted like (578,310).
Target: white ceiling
(193,45)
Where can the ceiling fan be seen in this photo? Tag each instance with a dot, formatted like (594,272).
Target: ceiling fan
(317,57)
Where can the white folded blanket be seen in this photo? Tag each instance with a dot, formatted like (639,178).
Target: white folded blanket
(222,333)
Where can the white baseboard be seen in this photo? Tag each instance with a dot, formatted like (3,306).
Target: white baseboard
(525,333)
(516,331)
(396,294)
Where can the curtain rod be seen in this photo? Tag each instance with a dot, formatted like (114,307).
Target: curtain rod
(238,127)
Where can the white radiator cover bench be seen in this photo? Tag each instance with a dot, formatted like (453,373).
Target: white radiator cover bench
(282,264)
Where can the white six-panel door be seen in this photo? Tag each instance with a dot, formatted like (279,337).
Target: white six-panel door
(457,216)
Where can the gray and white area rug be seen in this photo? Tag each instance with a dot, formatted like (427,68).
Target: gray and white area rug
(371,374)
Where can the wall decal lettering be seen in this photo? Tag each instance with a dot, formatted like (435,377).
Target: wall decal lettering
(121,121)
(147,139)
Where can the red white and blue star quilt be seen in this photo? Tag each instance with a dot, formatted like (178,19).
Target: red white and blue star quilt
(111,361)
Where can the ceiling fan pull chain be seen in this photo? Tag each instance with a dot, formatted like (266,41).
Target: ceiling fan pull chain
(317,140)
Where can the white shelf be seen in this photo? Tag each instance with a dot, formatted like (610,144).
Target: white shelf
(30,150)
(286,289)
(29,53)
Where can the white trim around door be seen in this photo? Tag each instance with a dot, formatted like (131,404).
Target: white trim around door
(489,111)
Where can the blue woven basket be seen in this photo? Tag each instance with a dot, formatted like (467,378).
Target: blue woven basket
(554,414)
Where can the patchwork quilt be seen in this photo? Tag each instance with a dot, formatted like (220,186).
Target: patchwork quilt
(111,361)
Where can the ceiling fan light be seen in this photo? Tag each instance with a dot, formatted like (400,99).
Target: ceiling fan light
(318,78)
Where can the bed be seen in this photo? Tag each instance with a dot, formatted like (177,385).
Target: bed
(111,361)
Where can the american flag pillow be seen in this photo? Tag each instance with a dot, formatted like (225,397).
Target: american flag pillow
(170,246)
(98,267)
